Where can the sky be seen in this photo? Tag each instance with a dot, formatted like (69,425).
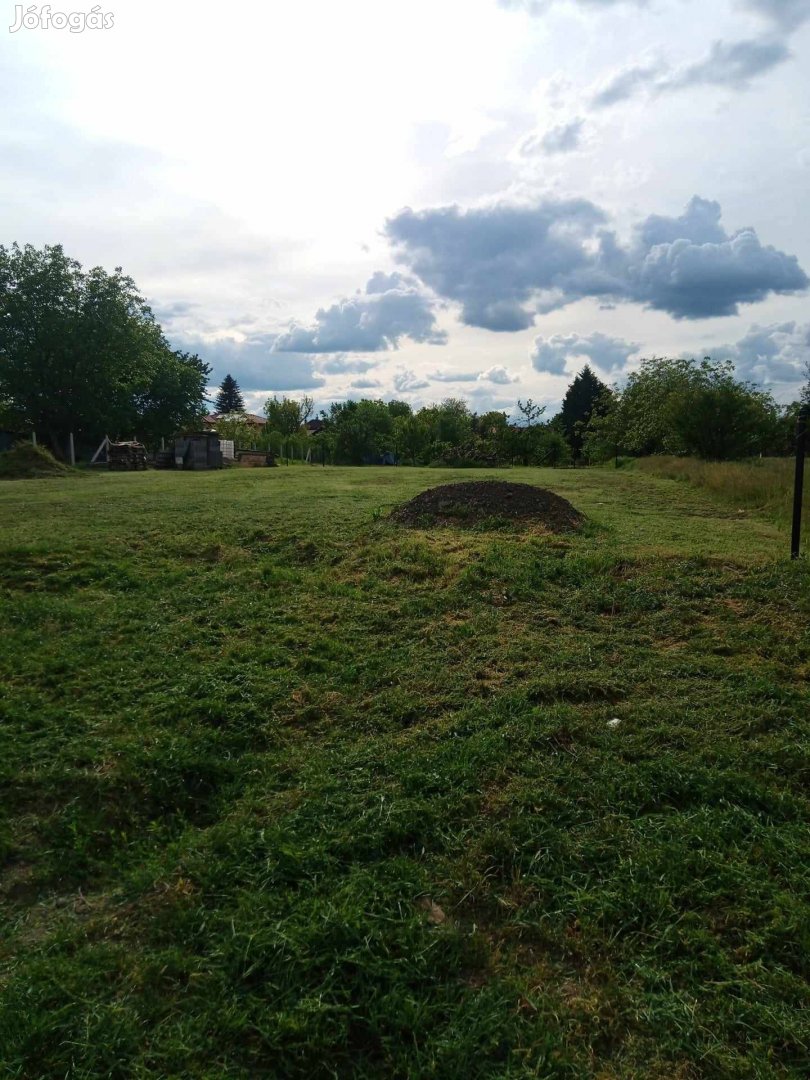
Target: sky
(444,198)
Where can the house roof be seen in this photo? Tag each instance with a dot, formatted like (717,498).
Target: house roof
(250,418)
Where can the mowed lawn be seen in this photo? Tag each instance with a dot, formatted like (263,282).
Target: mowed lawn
(290,791)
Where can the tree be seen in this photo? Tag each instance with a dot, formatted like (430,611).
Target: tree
(174,396)
(578,405)
(306,407)
(229,399)
(286,415)
(643,417)
(81,352)
(526,434)
(363,430)
(283,415)
(410,436)
(682,406)
(720,419)
(530,412)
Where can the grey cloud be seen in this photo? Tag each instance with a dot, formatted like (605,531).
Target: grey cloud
(493,261)
(345,365)
(365,384)
(539,7)
(254,364)
(455,376)
(174,310)
(392,307)
(624,85)
(731,64)
(380,282)
(505,263)
(769,354)
(608,353)
(498,374)
(699,223)
(787,14)
(561,139)
(695,281)
(405,382)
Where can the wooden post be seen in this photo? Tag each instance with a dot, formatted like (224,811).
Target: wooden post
(71,449)
(798,480)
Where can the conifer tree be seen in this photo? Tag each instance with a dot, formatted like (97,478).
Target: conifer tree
(578,405)
(229,398)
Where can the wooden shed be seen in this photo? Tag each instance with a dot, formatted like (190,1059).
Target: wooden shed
(197,450)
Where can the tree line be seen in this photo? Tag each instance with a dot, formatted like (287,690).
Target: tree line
(368,431)
(81,353)
(669,406)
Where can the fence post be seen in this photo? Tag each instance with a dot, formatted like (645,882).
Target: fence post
(798,483)
(34,438)
(71,449)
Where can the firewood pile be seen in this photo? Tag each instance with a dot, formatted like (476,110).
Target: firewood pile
(126,455)
(164,459)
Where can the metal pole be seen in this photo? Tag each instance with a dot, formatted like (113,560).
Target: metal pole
(72,449)
(34,438)
(798,483)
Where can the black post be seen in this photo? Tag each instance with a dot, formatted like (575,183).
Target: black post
(798,484)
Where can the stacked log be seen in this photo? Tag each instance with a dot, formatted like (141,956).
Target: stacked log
(251,459)
(164,459)
(126,455)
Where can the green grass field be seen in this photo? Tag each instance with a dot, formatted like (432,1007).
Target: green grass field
(289,791)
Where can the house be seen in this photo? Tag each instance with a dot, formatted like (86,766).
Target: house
(315,427)
(252,420)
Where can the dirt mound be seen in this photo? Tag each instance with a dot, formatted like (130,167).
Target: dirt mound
(28,462)
(474,501)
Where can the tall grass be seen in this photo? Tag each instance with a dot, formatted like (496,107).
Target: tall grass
(764,485)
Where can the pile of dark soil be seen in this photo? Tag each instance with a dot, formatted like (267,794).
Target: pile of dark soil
(28,462)
(474,501)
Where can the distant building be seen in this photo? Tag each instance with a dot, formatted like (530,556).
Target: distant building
(252,420)
(314,427)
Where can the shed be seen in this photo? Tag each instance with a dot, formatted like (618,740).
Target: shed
(197,450)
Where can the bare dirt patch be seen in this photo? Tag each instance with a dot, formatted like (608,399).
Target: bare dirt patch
(475,501)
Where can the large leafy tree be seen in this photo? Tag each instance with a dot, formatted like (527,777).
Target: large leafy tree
(682,406)
(81,352)
(718,418)
(288,415)
(362,430)
(583,395)
(229,399)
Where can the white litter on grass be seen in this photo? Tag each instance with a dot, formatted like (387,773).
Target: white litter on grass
(614,722)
